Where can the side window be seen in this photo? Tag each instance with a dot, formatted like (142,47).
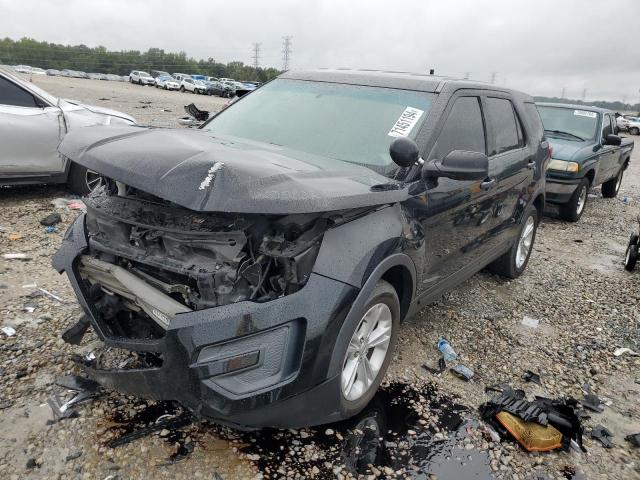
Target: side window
(463,129)
(12,94)
(606,126)
(505,123)
(534,120)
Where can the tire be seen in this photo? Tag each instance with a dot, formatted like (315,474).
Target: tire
(574,208)
(182,88)
(611,187)
(631,255)
(512,264)
(383,300)
(83,181)
(634,131)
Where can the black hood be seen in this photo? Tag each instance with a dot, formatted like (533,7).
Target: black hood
(196,170)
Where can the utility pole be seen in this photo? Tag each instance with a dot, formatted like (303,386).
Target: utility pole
(256,55)
(493,77)
(564,91)
(286,51)
(584,93)
(467,75)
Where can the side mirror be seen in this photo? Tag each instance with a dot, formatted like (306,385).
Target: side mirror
(404,152)
(458,165)
(613,140)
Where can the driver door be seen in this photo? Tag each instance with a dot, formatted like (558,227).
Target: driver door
(29,133)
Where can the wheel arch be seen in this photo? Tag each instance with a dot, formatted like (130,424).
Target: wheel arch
(590,175)
(538,203)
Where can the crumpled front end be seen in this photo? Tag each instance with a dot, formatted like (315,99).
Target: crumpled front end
(221,312)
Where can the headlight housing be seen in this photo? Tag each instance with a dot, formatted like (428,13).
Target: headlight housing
(563,166)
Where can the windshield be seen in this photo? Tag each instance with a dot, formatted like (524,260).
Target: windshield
(351,123)
(570,123)
(143,74)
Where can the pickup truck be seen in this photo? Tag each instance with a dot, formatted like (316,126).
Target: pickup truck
(586,153)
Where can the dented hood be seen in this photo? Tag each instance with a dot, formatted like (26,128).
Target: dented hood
(199,171)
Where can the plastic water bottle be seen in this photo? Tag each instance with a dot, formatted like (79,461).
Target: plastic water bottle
(447,350)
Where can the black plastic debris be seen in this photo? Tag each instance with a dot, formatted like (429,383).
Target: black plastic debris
(170,423)
(77,383)
(593,403)
(530,376)
(31,463)
(462,371)
(83,390)
(603,435)
(561,414)
(74,334)
(195,112)
(51,219)
(441,367)
(634,439)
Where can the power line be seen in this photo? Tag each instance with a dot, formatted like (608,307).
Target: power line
(286,51)
(256,55)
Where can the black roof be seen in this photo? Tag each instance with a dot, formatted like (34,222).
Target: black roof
(378,78)
(587,108)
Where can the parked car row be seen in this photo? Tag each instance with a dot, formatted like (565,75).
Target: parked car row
(198,84)
(628,123)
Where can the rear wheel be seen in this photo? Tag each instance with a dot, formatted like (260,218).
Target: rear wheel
(631,255)
(573,209)
(368,352)
(83,181)
(182,88)
(611,187)
(514,262)
(634,131)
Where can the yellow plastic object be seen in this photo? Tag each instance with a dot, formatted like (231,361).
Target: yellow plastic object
(532,436)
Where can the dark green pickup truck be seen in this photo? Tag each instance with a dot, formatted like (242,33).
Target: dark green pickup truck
(587,152)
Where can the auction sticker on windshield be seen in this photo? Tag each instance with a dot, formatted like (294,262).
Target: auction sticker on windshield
(584,113)
(406,122)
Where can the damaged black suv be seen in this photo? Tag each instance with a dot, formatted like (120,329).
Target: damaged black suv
(257,270)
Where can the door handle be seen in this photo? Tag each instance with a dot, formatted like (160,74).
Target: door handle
(531,165)
(488,184)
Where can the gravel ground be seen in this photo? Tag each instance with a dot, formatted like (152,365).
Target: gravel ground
(575,285)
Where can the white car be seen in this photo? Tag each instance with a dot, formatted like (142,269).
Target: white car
(141,78)
(188,84)
(167,82)
(180,76)
(634,125)
(622,123)
(32,125)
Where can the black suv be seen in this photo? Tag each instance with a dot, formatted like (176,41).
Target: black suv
(258,269)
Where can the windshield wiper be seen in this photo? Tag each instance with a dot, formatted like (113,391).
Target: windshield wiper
(562,132)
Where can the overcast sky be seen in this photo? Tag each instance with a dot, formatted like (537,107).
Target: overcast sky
(538,46)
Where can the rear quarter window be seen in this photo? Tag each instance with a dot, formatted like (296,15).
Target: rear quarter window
(502,117)
(533,120)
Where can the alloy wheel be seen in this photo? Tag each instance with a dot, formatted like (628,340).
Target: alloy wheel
(582,199)
(367,351)
(524,244)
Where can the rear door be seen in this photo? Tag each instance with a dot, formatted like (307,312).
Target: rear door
(30,131)
(511,164)
(453,213)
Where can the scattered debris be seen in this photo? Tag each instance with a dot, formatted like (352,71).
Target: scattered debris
(621,351)
(603,435)
(15,237)
(84,389)
(31,464)
(69,203)
(50,229)
(529,376)
(634,439)
(49,294)
(195,112)
(448,353)
(591,401)
(530,322)
(8,331)
(560,414)
(171,423)
(16,256)
(462,371)
(77,383)
(442,365)
(51,220)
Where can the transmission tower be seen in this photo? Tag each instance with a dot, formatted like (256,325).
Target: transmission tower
(564,91)
(286,52)
(493,77)
(584,94)
(466,75)
(256,55)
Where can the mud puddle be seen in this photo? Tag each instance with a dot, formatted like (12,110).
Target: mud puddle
(406,431)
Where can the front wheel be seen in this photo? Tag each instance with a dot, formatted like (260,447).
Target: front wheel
(182,89)
(514,262)
(631,255)
(611,187)
(573,209)
(634,131)
(83,181)
(369,350)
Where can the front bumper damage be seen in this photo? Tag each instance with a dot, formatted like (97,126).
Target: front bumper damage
(244,364)
(560,190)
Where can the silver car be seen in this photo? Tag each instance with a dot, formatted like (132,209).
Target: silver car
(32,124)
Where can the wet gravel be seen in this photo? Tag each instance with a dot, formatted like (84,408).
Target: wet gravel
(575,286)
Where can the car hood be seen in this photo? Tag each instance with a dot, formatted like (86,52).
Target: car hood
(71,107)
(570,150)
(199,171)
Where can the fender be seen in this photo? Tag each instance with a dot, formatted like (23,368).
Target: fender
(353,317)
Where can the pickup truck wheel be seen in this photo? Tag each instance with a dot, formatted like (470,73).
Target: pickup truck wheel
(83,181)
(514,262)
(631,255)
(611,187)
(573,209)
(367,354)
(634,131)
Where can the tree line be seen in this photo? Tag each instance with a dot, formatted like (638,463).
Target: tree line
(614,106)
(28,51)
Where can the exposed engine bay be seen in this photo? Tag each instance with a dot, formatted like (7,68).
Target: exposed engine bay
(152,259)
